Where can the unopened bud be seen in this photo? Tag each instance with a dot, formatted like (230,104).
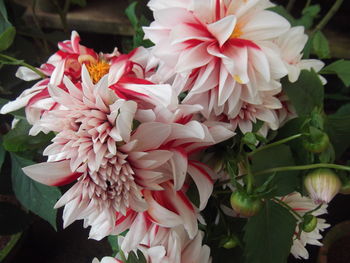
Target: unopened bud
(322,184)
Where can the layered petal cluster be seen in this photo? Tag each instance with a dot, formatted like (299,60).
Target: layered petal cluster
(228,56)
(128,156)
(67,61)
(164,245)
(302,205)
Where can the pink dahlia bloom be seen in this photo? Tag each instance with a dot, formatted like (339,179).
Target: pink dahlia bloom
(301,205)
(67,61)
(169,245)
(119,157)
(223,53)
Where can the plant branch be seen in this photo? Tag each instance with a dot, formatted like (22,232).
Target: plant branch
(270,145)
(250,178)
(287,207)
(328,16)
(290,5)
(303,167)
(22,63)
(37,24)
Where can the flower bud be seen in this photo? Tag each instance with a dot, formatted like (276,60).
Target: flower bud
(309,223)
(322,185)
(230,242)
(245,205)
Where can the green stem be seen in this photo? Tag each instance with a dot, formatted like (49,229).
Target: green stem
(37,24)
(287,207)
(304,167)
(328,16)
(290,5)
(308,3)
(250,177)
(270,145)
(22,63)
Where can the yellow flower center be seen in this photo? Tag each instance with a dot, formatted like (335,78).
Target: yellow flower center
(237,32)
(97,70)
(238,79)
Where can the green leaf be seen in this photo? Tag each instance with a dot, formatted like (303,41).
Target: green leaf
(137,24)
(139,258)
(308,15)
(3,102)
(130,12)
(338,129)
(7,31)
(17,139)
(306,93)
(320,45)
(36,197)
(4,22)
(2,155)
(341,68)
(12,219)
(7,37)
(113,242)
(283,182)
(268,235)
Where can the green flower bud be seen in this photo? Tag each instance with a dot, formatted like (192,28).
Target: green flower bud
(245,205)
(309,223)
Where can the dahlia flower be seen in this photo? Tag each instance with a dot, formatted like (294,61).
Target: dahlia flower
(301,205)
(118,164)
(223,53)
(168,245)
(68,62)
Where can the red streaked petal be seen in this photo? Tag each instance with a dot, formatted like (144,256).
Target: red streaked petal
(51,173)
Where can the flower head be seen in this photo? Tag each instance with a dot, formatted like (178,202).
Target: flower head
(302,205)
(223,54)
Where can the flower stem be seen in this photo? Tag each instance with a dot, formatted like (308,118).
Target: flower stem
(290,5)
(250,177)
(287,207)
(328,16)
(303,167)
(22,63)
(308,2)
(270,145)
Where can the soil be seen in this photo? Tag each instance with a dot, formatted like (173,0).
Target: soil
(339,251)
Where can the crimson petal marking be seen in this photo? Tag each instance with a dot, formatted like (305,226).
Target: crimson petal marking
(137,231)
(193,58)
(159,214)
(54,173)
(223,28)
